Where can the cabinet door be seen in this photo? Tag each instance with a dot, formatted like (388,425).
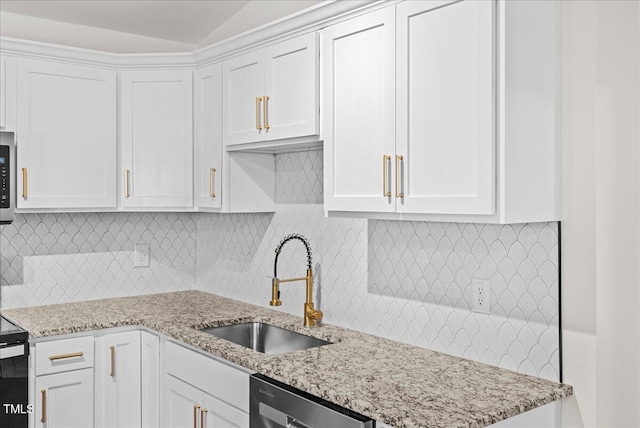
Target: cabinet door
(182,404)
(217,414)
(243,91)
(3,92)
(7,93)
(66,136)
(445,127)
(118,401)
(65,400)
(292,88)
(208,136)
(358,112)
(156,139)
(150,364)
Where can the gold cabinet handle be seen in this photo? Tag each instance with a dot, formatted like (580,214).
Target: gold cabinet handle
(399,187)
(65,356)
(385,176)
(195,415)
(258,124)
(202,416)
(113,361)
(25,183)
(43,417)
(266,113)
(212,191)
(126,183)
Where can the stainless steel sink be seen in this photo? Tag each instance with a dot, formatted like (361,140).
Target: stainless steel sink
(265,338)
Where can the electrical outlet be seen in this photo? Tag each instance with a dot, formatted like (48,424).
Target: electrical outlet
(141,255)
(481,295)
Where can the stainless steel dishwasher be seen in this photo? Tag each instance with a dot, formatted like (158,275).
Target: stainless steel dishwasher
(275,405)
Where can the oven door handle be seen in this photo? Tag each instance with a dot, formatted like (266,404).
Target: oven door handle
(10,351)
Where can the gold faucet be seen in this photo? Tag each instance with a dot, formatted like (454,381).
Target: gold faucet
(311,315)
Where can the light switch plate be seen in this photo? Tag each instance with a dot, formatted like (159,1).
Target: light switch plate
(141,255)
(481,296)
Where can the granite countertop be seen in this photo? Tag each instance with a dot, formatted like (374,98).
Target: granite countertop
(399,384)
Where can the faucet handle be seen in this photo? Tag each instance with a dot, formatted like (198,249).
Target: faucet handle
(311,315)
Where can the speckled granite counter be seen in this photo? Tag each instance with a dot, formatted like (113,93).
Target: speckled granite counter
(399,384)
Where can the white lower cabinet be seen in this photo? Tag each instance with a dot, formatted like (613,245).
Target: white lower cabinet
(202,392)
(150,367)
(187,406)
(64,388)
(181,403)
(217,414)
(112,379)
(65,399)
(118,380)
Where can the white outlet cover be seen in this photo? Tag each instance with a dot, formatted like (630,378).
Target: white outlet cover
(141,255)
(481,296)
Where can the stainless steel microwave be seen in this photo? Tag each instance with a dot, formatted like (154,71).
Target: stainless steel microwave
(7,177)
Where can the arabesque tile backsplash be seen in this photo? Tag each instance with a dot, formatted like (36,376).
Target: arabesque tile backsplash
(409,281)
(63,257)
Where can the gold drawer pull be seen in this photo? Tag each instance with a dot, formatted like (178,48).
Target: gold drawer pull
(126,183)
(399,193)
(258,125)
(212,192)
(202,416)
(43,417)
(195,415)
(25,183)
(385,175)
(65,356)
(266,113)
(113,361)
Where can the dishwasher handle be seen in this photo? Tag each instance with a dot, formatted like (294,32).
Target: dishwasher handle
(279,417)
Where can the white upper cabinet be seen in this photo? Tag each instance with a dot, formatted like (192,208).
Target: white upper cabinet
(208,137)
(242,94)
(156,144)
(225,182)
(66,136)
(358,112)
(291,96)
(464,130)
(272,93)
(3,92)
(445,108)
(7,94)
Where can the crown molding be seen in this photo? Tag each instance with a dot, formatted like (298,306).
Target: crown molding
(68,54)
(307,20)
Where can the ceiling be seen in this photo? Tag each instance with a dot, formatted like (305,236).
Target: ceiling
(139,26)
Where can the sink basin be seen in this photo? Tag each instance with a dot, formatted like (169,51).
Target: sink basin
(265,338)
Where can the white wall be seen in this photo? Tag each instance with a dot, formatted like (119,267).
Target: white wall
(601,212)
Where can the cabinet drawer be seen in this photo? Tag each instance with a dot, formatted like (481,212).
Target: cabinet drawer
(215,378)
(64,355)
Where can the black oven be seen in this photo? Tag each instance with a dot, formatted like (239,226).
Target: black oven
(14,375)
